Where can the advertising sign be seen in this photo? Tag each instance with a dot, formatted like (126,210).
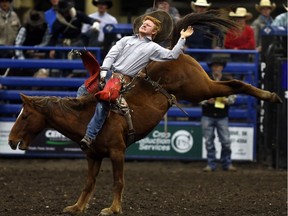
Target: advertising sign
(183,142)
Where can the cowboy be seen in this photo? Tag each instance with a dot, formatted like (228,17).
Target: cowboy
(105,18)
(34,32)
(265,8)
(243,39)
(68,24)
(215,117)
(127,57)
(202,39)
(9,25)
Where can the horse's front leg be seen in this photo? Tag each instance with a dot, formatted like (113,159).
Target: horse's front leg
(117,159)
(88,191)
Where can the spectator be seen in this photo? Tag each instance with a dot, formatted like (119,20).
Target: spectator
(127,57)
(202,39)
(243,39)
(264,19)
(68,25)
(34,32)
(165,5)
(50,15)
(282,19)
(97,38)
(9,26)
(215,117)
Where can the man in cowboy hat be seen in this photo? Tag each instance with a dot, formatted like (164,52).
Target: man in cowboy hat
(243,39)
(9,25)
(200,6)
(215,117)
(201,38)
(127,57)
(264,19)
(33,32)
(105,18)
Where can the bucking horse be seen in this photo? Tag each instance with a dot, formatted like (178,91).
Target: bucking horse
(149,98)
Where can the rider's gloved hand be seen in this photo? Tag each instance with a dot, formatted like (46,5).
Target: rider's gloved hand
(103,74)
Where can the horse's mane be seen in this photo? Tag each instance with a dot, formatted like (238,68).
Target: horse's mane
(213,18)
(50,104)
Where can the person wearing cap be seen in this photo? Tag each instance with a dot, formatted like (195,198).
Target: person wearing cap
(127,57)
(265,8)
(68,24)
(201,39)
(215,118)
(243,39)
(34,32)
(165,5)
(9,27)
(282,19)
(105,18)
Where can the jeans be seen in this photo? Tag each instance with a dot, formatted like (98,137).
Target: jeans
(101,111)
(209,124)
(98,119)
(82,90)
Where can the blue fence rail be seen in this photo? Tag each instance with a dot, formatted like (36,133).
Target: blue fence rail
(244,109)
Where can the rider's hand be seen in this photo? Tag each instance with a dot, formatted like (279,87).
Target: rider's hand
(188,32)
(103,74)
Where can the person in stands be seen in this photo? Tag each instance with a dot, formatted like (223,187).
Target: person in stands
(240,40)
(50,15)
(9,27)
(215,117)
(97,38)
(202,38)
(165,5)
(265,8)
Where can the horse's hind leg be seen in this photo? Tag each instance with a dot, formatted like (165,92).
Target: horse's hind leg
(238,87)
(88,191)
(117,159)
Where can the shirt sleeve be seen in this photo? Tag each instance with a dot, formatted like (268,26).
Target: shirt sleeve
(163,54)
(113,53)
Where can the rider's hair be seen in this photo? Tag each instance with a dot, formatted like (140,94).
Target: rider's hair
(155,21)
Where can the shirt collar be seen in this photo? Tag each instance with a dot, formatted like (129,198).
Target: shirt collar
(146,37)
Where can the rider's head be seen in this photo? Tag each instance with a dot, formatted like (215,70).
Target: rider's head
(151,26)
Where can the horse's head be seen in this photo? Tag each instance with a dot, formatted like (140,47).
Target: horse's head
(29,123)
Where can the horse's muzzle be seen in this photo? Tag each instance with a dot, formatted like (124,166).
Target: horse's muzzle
(19,144)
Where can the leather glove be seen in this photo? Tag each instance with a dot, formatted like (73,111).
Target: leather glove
(96,26)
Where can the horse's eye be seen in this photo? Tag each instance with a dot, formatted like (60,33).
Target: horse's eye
(24,116)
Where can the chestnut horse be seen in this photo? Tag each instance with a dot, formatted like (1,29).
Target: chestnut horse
(184,78)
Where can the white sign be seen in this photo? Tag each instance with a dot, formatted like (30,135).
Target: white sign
(242,139)
(5,128)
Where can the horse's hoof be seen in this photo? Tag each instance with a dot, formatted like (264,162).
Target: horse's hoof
(108,211)
(74,209)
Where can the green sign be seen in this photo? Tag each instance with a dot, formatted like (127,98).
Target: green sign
(183,142)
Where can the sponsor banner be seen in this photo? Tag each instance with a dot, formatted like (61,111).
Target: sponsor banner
(51,141)
(242,144)
(178,142)
(5,128)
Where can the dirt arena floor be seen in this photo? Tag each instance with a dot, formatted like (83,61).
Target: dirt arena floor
(42,187)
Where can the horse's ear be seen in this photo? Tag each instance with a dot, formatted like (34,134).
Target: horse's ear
(24,98)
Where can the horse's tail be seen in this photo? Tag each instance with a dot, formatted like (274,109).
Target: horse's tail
(217,19)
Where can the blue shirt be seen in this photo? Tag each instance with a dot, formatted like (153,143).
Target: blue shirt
(132,53)
(50,17)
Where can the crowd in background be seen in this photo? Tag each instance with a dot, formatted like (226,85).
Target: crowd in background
(64,25)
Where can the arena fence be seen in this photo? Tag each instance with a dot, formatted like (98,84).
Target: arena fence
(180,139)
